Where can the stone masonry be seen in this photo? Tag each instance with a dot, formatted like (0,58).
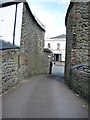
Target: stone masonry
(9,68)
(32,43)
(79,79)
(31,58)
(77,38)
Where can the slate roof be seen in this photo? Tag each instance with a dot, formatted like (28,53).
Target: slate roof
(60,36)
(7,45)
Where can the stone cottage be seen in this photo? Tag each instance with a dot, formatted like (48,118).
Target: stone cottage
(30,58)
(77,45)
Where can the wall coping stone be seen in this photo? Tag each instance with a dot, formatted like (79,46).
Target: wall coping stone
(81,65)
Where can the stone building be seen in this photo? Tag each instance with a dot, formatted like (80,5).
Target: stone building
(8,65)
(30,58)
(77,42)
(57,45)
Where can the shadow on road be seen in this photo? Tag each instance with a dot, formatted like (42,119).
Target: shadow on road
(58,69)
(56,77)
(43,96)
(57,73)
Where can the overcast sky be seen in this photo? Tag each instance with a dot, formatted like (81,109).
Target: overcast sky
(50,12)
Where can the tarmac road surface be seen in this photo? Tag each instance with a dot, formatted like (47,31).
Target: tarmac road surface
(44,96)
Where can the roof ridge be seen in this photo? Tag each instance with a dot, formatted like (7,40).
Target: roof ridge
(59,36)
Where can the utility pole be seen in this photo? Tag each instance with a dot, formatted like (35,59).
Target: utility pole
(15,24)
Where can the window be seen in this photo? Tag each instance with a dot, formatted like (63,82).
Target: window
(58,46)
(49,45)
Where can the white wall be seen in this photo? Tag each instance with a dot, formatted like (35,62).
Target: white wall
(54,43)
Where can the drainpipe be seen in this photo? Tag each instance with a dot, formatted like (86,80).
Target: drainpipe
(15,24)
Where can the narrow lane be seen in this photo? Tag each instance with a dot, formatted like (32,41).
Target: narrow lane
(43,96)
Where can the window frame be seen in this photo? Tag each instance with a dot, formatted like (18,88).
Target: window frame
(58,46)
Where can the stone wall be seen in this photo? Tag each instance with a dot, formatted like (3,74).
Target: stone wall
(9,67)
(32,43)
(77,36)
(13,70)
(79,80)
(77,46)
(30,59)
(47,60)
(0,70)
(68,47)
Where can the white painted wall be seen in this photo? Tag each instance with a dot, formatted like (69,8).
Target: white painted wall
(54,42)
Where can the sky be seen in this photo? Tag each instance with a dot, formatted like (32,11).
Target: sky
(50,12)
(7,18)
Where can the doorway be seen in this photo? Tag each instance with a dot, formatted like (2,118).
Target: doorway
(57,57)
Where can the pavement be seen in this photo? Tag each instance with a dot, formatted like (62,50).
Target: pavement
(44,96)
